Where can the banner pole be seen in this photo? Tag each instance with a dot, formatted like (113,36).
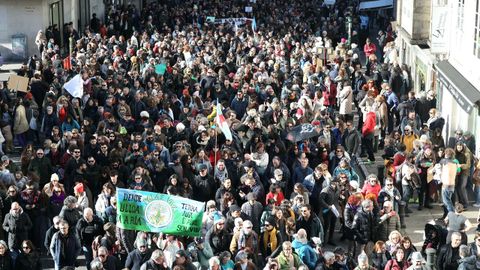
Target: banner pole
(215,152)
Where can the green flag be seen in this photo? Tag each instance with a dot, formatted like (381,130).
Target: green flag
(157,212)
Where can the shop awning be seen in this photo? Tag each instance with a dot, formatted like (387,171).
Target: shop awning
(460,88)
(379,4)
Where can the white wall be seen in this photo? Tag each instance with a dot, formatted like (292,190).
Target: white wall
(461,51)
(20,16)
(97,6)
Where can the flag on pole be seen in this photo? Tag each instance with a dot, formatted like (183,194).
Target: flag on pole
(222,123)
(75,86)
(254,24)
(67,63)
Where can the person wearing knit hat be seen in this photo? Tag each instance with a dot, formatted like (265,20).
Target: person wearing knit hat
(218,218)
(81,195)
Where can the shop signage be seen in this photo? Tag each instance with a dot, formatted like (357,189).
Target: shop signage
(455,92)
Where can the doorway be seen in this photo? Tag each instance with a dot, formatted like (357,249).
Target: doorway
(56,18)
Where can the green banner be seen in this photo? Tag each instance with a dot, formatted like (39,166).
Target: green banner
(157,212)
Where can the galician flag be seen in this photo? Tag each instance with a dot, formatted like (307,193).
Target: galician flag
(222,123)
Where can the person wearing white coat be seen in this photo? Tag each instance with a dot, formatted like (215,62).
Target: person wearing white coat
(345,99)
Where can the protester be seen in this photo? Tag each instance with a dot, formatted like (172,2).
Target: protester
(201,100)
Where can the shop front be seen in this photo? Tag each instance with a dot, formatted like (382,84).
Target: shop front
(458,100)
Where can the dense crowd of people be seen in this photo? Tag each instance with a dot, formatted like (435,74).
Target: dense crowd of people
(146,121)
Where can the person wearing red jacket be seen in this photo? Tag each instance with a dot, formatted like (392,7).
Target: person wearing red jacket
(369,49)
(368,131)
(371,186)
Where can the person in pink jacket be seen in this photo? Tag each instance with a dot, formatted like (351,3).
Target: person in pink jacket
(371,186)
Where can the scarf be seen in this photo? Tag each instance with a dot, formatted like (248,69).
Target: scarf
(270,239)
(243,241)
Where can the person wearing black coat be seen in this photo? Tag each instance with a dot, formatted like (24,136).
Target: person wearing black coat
(70,213)
(310,222)
(139,256)
(448,256)
(88,227)
(6,262)
(28,259)
(327,199)
(108,262)
(364,225)
(203,185)
(51,231)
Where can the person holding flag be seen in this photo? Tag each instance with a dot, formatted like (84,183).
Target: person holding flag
(221,122)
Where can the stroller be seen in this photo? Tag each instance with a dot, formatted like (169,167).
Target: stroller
(435,236)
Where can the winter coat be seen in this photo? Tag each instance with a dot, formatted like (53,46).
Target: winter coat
(151,265)
(42,168)
(17,228)
(349,215)
(218,241)
(379,260)
(364,226)
(87,231)
(204,188)
(20,120)
(48,237)
(368,127)
(467,263)
(248,243)
(306,253)
(239,106)
(447,258)
(6,262)
(313,226)
(300,173)
(346,98)
(387,226)
(329,95)
(70,215)
(135,259)
(393,265)
(352,141)
(369,189)
(254,212)
(284,264)
(126,238)
(29,261)
(70,245)
(385,195)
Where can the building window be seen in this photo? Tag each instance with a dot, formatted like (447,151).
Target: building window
(476,37)
(460,17)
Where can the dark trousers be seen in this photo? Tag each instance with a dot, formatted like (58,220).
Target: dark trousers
(367,142)
(423,197)
(329,221)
